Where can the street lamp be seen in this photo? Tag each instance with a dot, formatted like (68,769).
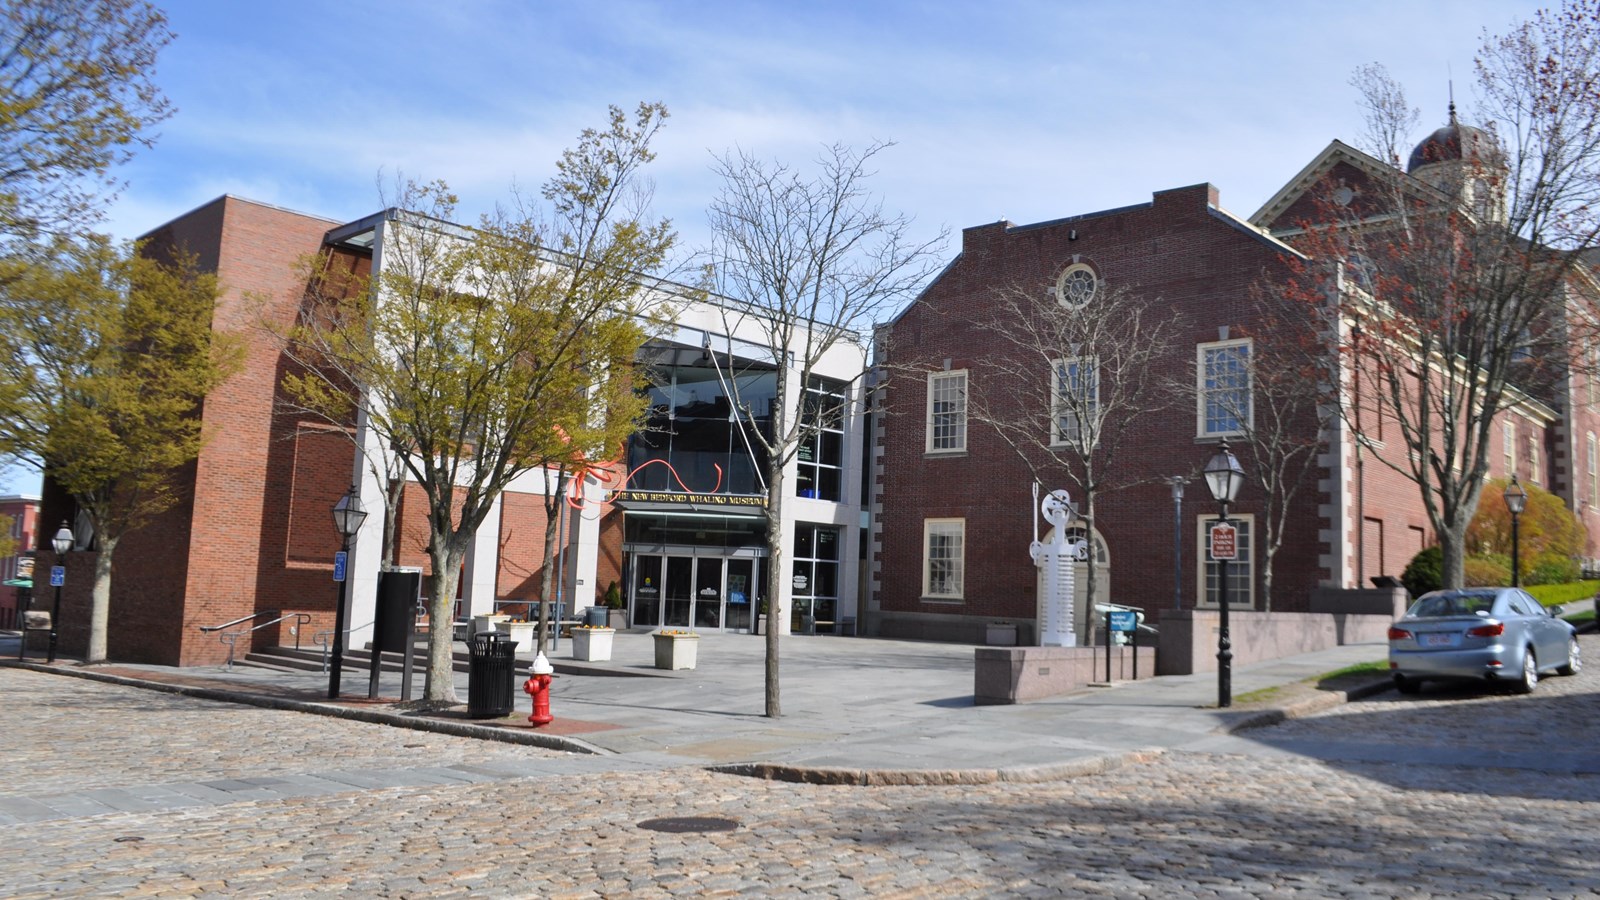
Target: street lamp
(1516,501)
(61,543)
(348,514)
(1177,482)
(1224,477)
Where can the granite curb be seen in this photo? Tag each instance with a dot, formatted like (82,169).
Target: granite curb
(1036,774)
(357,714)
(1320,702)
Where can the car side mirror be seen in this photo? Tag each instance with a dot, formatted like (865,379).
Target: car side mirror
(1557,610)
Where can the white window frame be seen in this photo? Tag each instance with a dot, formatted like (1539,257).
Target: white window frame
(1508,446)
(956,528)
(1060,437)
(1592,457)
(958,428)
(1535,468)
(1204,393)
(1236,599)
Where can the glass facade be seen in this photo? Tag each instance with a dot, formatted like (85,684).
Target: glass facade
(693,430)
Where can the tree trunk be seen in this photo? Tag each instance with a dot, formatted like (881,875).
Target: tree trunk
(554,507)
(1452,563)
(100,601)
(775,485)
(441,637)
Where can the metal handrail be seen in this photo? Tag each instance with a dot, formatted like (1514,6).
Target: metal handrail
(321,638)
(264,612)
(231,638)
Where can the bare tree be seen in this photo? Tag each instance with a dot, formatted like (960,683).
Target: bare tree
(813,262)
(1466,276)
(1072,385)
(1282,419)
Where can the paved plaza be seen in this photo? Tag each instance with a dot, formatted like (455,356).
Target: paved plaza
(120,791)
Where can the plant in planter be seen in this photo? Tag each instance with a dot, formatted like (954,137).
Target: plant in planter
(613,596)
(676,649)
(592,643)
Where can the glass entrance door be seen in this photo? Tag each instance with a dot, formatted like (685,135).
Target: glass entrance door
(708,593)
(711,593)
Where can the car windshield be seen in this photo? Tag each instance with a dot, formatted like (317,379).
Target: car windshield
(1452,605)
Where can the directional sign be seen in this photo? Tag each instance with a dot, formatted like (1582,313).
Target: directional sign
(339,560)
(1123,620)
(58,576)
(1224,542)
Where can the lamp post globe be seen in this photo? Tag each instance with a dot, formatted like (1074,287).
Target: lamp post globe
(1224,477)
(348,514)
(61,543)
(1516,501)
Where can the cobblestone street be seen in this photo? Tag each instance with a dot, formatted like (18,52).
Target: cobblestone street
(122,792)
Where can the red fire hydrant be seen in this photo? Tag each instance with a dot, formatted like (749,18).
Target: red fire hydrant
(538,687)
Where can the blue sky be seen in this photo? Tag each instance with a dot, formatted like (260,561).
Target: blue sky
(1022,109)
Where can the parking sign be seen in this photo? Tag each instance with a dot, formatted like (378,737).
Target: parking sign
(1224,542)
(338,566)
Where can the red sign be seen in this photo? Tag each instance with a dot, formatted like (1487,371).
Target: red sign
(1224,542)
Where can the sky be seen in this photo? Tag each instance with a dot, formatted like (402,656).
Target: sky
(1026,110)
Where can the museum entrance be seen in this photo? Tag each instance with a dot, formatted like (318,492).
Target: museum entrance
(702,593)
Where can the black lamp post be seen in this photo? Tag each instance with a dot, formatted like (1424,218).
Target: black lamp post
(1224,477)
(61,543)
(348,514)
(1516,501)
(1177,482)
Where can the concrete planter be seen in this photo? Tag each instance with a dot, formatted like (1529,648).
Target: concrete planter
(1000,634)
(592,644)
(618,618)
(676,651)
(522,633)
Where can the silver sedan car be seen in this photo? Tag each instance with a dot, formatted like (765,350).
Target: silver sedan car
(1481,634)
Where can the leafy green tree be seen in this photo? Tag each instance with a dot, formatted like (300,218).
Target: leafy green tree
(482,354)
(1550,537)
(75,98)
(105,357)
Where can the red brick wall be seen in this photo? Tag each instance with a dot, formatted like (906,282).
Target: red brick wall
(1175,249)
(522,531)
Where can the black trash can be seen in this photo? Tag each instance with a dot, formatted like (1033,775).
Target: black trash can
(597,616)
(491,675)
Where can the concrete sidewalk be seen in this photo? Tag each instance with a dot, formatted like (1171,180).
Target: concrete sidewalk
(855,710)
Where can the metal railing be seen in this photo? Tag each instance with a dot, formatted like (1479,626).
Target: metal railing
(231,638)
(321,639)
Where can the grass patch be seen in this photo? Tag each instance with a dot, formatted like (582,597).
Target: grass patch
(1563,594)
(1337,680)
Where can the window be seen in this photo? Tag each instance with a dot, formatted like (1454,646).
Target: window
(1224,388)
(1534,468)
(947,411)
(1241,569)
(816,573)
(1075,395)
(943,558)
(1593,458)
(821,456)
(1508,446)
(1077,285)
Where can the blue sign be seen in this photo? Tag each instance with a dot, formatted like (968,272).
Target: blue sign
(338,565)
(58,576)
(1123,619)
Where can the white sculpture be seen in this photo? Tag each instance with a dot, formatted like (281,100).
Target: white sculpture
(1057,558)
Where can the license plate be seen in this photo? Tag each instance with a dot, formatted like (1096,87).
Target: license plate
(1439,640)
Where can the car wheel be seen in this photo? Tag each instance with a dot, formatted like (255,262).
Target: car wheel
(1574,658)
(1530,673)
(1407,685)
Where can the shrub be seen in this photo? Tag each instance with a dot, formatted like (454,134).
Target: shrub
(1425,572)
(1550,569)
(1486,571)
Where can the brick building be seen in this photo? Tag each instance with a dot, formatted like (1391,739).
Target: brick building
(253,532)
(953,507)
(20,513)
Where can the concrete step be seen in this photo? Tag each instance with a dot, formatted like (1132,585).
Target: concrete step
(307,659)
